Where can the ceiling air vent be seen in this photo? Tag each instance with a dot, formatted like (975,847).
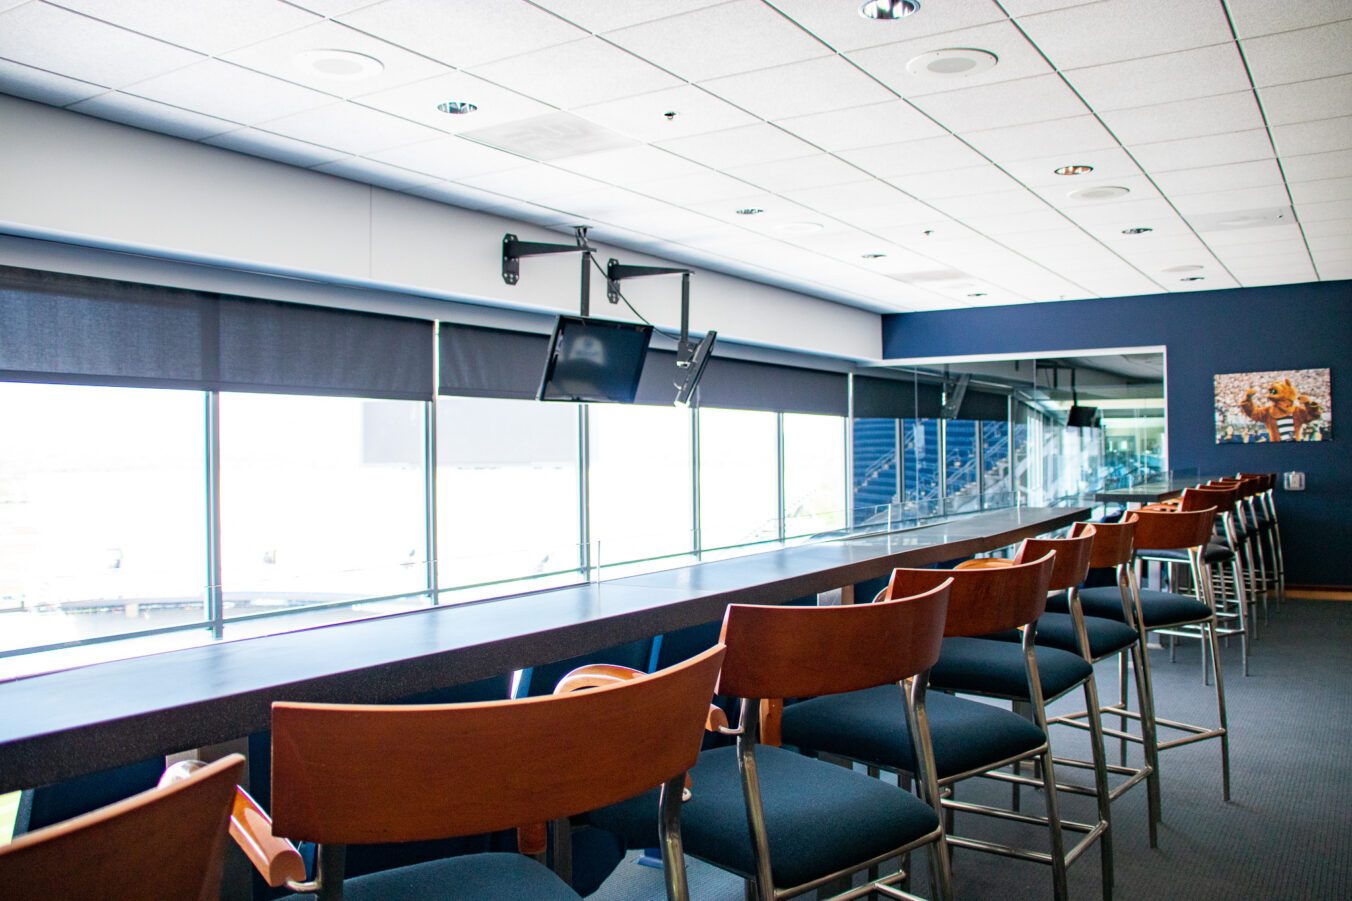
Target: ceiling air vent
(553,136)
(1215,222)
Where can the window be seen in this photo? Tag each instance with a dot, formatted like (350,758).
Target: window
(996,474)
(102,512)
(920,461)
(641,481)
(876,475)
(814,473)
(739,477)
(962,482)
(322,501)
(507,490)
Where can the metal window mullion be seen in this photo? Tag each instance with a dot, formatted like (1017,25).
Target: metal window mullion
(430,413)
(779,463)
(980,464)
(584,556)
(697,537)
(849,452)
(215,586)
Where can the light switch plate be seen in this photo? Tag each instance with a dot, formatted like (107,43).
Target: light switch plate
(1293,481)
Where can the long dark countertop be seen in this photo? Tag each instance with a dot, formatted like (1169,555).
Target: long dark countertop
(65,724)
(1148,492)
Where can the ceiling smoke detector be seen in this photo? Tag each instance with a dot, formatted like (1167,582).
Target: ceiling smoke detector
(887,10)
(337,65)
(1099,192)
(952,61)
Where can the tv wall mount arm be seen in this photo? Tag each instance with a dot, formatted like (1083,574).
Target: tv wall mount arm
(617,272)
(514,249)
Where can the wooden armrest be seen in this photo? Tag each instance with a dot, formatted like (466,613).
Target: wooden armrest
(275,858)
(985,563)
(595,675)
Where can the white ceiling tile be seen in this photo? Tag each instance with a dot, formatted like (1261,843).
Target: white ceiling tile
(458,195)
(841,26)
(1070,194)
(1300,55)
(800,174)
(1254,174)
(79,47)
(1257,280)
(345,126)
(1269,234)
(1313,137)
(1213,150)
(1255,17)
(1125,29)
(721,40)
(279,57)
(201,25)
(371,172)
(576,74)
(776,212)
(1290,246)
(1221,114)
(1075,135)
(604,203)
(449,157)
(811,86)
(929,236)
(986,179)
(1328,243)
(1126,213)
(745,146)
(229,92)
(1108,163)
(539,182)
(912,157)
(1303,101)
(1017,59)
(644,116)
(863,126)
(963,208)
(458,33)
(607,15)
(332,7)
(1316,166)
(418,102)
(1232,201)
(1327,227)
(630,165)
(1202,72)
(700,188)
(1038,99)
(275,147)
(1321,191)
(848,200)
(1018,8)
(1044,219)
(153,116)
(44,87)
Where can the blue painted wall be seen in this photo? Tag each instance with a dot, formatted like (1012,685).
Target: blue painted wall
(1241,330)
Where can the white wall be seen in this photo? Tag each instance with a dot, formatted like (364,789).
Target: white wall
(73,179)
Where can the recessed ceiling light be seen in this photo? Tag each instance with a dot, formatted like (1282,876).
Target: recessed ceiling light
(456,107)
(952,61)
(749,211)
(1099,192)
(337,65)
(669,115)
(872,256)
(1193,278)
(1140,230)
(977,294)
(1189,268)
(888,9)
(799,228)
(1077,169)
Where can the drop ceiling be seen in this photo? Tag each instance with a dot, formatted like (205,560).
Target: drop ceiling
(878,182)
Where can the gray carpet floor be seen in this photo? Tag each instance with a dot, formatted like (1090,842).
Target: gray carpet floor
(1287,833)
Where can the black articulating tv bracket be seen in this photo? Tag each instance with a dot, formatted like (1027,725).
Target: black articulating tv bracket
(617,272)
(513,250)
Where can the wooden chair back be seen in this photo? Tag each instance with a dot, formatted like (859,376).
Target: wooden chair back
(983,601)
(801,652)
(1160,531)
(1267,480)
(1071,564)
(1222,498)
(358,774)
(1113,543)
(161,844)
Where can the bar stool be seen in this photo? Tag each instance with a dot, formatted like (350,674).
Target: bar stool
(1168,612)
(970,738)
(789,824)
(165,843)
(356,774)
(1262,508)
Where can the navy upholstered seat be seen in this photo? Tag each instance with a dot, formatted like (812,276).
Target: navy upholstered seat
(1057,630)
(474,877)
(1158,608)
(1214,553)
(981,666)
(819,819)
(866,725)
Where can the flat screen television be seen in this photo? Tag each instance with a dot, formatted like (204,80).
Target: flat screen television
(594,360)
(1083,417)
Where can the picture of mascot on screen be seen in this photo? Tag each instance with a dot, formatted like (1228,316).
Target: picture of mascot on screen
(1285,405)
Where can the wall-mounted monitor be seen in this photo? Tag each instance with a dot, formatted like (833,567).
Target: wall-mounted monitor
(690,374)
(594,360)
(1083,417)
